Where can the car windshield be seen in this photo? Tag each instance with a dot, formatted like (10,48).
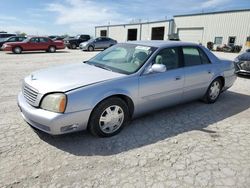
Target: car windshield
(123,58)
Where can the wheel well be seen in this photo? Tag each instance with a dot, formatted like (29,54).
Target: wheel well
(16,46)
(52,46)
(222,79)
(126,99)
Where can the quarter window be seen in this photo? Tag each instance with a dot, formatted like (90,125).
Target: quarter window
(204,57)
(168,57)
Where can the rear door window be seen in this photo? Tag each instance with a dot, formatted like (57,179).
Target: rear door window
(44,40)
(191,56)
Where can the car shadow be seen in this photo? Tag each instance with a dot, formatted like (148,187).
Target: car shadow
(37,52)
(153,127)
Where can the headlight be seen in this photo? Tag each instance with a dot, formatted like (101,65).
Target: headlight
(55,102)
(5,45)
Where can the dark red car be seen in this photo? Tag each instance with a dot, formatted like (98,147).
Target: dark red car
(34,44)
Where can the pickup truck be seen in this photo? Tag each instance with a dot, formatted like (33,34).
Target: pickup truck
(73,43)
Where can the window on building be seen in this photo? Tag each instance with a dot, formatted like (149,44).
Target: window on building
(157,33)
(218,40)
(231,40)
(103,33)
(132,34)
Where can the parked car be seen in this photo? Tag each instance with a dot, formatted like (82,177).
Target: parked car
(73,43)
(12,39)
(242,63)
(98,43)
(6,35)
(34,44)
(120,83)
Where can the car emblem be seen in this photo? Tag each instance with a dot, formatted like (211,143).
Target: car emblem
(32,77)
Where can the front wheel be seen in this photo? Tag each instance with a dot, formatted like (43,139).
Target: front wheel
(91,48)
(109,117)
(17,50)
(213,91)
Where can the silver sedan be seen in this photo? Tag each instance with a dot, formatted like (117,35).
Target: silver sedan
(120,83)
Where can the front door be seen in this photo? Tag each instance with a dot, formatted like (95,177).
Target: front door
(157,90)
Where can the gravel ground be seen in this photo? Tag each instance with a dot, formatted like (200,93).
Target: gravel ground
(190,145)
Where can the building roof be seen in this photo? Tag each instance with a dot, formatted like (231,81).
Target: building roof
(159,21)
(215,12)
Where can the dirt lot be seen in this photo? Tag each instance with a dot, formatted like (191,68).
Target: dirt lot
(190,145)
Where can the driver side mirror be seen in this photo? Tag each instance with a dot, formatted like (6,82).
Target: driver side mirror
(157,68)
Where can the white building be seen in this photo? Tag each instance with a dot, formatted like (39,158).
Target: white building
(224,27)
(158,30)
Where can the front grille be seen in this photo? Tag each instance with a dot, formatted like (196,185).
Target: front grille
(30,94)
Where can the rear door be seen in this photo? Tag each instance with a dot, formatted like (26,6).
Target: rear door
(198,72)
(99,42)
(157,90)
(44,43)
(33,44)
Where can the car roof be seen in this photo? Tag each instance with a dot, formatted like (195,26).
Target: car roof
(162,43)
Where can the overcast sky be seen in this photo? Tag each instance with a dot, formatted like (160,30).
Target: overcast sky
(81,16)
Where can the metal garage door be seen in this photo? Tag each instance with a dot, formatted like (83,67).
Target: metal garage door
(191,35)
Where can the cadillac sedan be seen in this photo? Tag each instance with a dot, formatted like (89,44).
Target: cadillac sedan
(120,83)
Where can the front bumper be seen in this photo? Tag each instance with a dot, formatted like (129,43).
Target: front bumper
(242,72)
(83,47)
(51,122)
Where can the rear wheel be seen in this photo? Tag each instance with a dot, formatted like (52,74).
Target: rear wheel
(91,48)
(17,50)
(109,117)
(52,49)
(213,91)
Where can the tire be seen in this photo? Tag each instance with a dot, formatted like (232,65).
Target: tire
(73,46)
(17,50)
(109,117)
(213,91)
(52,49)
(91,48)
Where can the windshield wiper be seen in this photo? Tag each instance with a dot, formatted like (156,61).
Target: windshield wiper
(102,67)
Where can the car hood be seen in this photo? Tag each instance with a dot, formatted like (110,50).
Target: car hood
(244,57)
(67,77)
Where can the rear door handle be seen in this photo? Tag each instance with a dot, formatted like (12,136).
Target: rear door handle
(177,78)
(209,71)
